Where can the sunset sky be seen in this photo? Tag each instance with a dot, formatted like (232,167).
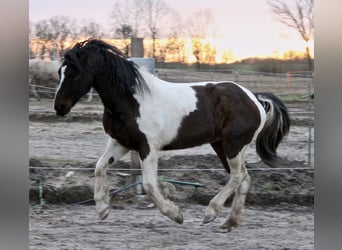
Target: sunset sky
(246,27)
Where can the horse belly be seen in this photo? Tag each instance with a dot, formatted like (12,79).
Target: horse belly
(189,136)
(184,143)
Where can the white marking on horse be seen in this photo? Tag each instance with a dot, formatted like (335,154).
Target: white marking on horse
(62,78)
(238,174)
(271,111)
(162,111)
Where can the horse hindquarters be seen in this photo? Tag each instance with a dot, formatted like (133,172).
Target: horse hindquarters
(242,118)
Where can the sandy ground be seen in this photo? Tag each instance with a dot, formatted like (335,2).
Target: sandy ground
(139,227)
(279,212)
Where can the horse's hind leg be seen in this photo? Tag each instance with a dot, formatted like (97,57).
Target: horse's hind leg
(149,173)
(234,219)
(216,204)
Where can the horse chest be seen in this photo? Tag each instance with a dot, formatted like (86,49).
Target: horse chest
(124,129)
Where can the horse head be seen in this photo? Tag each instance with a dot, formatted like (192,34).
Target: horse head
(76,77)
(94,63)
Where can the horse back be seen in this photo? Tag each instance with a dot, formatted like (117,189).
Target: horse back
(223,111)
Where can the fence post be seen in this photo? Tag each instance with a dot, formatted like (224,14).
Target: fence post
(288,79)
(236,74)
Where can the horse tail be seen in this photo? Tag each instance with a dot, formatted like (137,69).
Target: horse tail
(277,126)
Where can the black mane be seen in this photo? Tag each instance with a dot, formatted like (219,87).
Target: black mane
(111,65)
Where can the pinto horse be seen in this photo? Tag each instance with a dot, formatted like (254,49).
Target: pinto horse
(145,114)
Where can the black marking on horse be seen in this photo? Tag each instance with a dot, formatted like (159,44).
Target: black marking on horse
(111,160)
(225,113)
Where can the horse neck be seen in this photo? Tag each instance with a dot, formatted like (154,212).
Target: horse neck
(114,101)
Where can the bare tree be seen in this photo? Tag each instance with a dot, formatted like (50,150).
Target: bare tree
(42,32)
(153,18)
(53,34)
(159,18)
(171,46)
(127,19)
(203,52)
(125,32)
(127,13)
(63,27)
(200,25)
(164,26)
(91,29)
(299,15)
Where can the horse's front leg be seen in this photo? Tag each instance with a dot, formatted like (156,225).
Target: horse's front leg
(149,173)
(112,154)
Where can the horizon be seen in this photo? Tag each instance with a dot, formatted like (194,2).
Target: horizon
(255,33)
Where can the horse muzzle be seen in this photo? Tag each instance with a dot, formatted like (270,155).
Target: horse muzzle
(62,109)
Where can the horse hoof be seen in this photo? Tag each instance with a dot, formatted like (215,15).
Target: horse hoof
(209,218)
(179,218)
(104,214)
(227,226)
(224,229)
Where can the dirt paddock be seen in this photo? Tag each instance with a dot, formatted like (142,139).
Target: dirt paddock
(279,207)
(137,226)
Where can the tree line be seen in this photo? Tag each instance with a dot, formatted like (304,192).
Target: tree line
(162,25)
(152,19)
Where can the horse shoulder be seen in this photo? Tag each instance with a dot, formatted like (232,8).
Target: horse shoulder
(162,112)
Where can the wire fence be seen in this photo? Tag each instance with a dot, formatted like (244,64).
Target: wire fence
(172,169)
